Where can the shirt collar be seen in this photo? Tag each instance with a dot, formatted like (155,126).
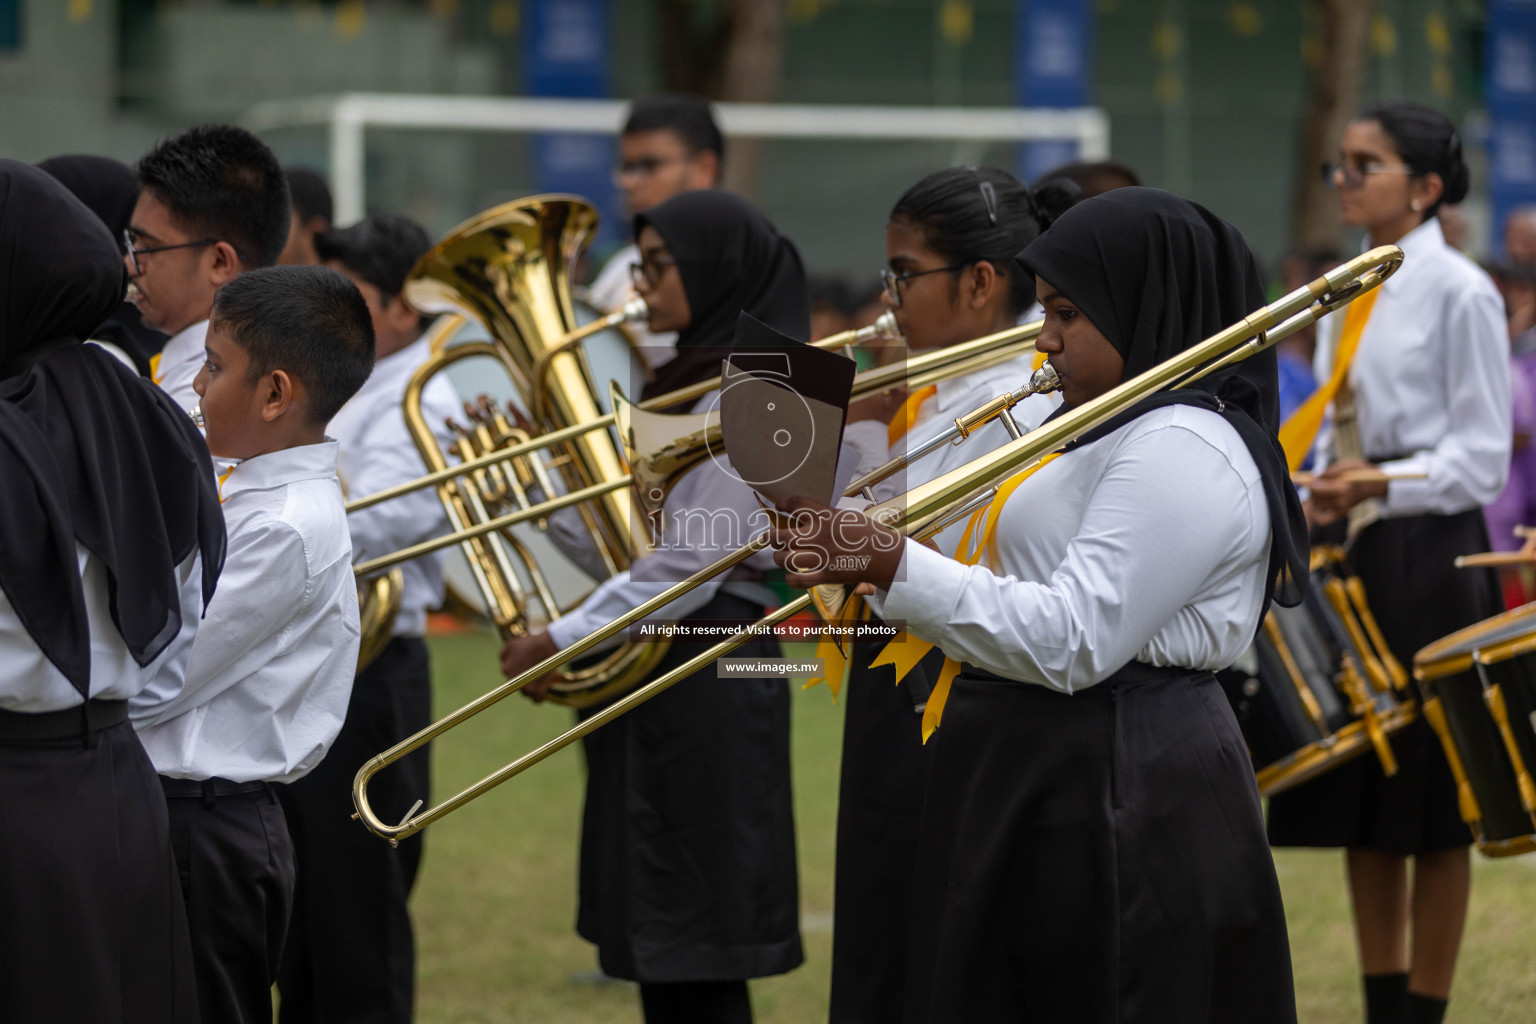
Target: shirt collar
(1418,243)
(277,469)
(187,342)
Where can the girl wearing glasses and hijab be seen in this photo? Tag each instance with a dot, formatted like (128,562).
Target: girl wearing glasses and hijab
(688,881)
(951,277)
(1092,846)
(1426,358)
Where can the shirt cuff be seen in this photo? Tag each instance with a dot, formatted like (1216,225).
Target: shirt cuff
(926,588)
(565,631)
(1407,497)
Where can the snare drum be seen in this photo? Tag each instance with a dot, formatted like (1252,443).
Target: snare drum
(1320,685)
(1480,697)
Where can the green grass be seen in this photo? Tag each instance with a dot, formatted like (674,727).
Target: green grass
(495,908)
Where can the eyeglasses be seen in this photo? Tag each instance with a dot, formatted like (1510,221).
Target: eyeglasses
(1354,177)
(893,281)
(644,167)
(647,273)
(134,252)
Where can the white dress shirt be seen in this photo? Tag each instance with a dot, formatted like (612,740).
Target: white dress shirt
(271,669)
(953,398)
(30,683)
(612,288)
(1149,544)
(378,452)
(1431,380)
(179,362)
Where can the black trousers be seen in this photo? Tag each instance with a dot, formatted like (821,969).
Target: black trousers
(351,954)
(91,920)
(236,866)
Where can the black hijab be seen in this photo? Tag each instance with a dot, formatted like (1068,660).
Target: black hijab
(1157,274)
(88,451)
(731,259)
(110,190)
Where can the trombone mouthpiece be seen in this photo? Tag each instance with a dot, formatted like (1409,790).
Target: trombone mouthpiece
(884,328)
(196,412)
(634,309)
(1044,380)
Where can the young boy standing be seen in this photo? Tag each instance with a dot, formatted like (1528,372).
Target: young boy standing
(350,955)
(271,669)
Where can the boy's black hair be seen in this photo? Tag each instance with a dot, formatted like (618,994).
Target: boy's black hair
(310,322)
(690,118)
(381,249)
(222,182)
(310,195)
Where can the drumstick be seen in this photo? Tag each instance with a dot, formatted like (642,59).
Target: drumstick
(1496,560)
(1359,476)
(1504,559)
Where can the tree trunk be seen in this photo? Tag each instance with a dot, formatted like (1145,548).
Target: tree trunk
(1333,96)
(737,56)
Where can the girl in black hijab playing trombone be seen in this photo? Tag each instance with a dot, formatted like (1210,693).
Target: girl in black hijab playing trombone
(1092,845)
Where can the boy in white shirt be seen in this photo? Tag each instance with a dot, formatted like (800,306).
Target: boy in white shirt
(350,953)
(271,671)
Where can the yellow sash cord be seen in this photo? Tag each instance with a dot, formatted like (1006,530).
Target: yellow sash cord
(154,367)
(832,649)
(905,651)
(908,413)
(1299,432)
(1040,358)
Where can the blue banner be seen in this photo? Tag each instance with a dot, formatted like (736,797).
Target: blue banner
(566,53)
(10,25)
(1053,67)
(1511,61)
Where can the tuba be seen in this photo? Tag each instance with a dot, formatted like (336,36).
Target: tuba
(510,269)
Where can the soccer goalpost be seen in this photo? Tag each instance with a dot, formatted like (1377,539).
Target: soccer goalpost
(346,119)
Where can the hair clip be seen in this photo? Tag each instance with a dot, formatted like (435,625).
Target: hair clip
(989,196)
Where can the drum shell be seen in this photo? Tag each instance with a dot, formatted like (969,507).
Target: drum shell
(1481,748)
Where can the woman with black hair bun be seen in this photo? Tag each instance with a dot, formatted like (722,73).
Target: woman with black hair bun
(950,277)
(1425,363)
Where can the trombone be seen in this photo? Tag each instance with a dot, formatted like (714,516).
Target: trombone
(922,511)
(916,371)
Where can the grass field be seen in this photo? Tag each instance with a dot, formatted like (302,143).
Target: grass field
(496,903)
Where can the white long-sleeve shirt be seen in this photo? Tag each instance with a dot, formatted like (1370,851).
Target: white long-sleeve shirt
(952,399)
(30,683)
(377,452)
(1431,380)
(1149,544)
(271,669)
(178,363)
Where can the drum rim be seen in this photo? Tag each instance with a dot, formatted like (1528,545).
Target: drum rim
(1455,653)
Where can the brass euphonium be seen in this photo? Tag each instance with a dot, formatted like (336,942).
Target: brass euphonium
(510,269)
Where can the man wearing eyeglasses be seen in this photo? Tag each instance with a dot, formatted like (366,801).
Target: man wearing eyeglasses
(213,204)
(670,144)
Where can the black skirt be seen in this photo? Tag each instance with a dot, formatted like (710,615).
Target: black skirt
(1418,596)
(879,815)
(92,924)
(688,836)
(1096,858)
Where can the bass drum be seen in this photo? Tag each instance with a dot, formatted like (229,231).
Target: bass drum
(610,355)
(1480,698)
(1319,686)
